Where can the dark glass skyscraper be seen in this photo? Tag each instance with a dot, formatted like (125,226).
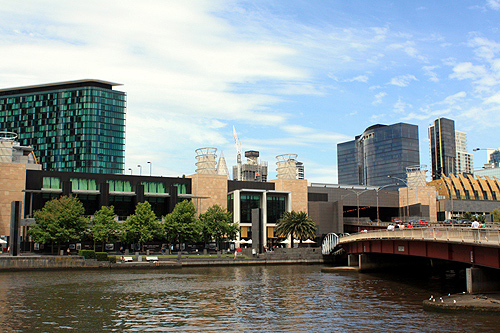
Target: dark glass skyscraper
(381,151)
(74,126)
(443,147)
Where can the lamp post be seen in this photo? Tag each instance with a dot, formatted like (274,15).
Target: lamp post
(140,169)
(378,189)
(407,206)
(150,168)
(357,196)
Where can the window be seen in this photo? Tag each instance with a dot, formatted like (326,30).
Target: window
(51,182)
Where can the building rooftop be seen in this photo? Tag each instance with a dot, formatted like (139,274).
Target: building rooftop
(58,85)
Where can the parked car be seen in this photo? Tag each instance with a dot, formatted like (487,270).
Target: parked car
(465,221)
(423,222)
(396,221)
(413,222)
(450,221)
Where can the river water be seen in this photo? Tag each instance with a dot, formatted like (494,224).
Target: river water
(234,299)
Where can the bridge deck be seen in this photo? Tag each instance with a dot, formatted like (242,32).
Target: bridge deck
(485,237)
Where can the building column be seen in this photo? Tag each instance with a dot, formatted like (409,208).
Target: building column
(139,193)
(264,218)
(103,195)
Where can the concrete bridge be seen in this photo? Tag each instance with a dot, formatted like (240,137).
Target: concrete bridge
(478,248)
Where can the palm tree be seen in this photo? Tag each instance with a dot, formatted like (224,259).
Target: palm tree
(297,224)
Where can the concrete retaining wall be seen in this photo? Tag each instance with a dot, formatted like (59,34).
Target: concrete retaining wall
(45,262)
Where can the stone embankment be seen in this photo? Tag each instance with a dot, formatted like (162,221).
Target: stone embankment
(278,257)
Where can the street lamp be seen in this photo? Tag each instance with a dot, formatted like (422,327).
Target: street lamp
(150,167)
(407,206)
(357,196)
(378,189)
(140,169)
(130,169)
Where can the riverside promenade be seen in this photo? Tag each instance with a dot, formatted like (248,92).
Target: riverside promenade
(30,262)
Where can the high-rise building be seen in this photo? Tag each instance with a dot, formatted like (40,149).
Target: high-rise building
(464,160)
(381,151)
(443,147)
(492,168)
(253,170)
(76,126)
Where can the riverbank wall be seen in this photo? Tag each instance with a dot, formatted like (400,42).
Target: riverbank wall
(306,256)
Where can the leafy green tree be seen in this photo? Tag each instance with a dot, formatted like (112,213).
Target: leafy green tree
(181,224)
(496,215)
(296,224)
(142,226)
(480,218)
(60,220)
(104,226)
(468,216)
(217,224)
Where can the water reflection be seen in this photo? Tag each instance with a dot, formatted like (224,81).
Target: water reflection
(249,299)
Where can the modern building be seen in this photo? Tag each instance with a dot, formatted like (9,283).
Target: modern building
(492,168)
(443,147)
(464,193)
(381,151)
(15,160)
(123,192)
(464,162)
(494,158)
(73,126)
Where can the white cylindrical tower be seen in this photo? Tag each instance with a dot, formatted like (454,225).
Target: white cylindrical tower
(286,166)
(206,161)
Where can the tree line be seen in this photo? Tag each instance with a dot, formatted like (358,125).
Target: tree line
(62,220)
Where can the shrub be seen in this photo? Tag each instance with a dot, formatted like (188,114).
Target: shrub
(87,254)
(112,259)
(101,256)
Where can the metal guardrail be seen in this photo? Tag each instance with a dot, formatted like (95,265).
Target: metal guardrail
(431,224)
(489,237)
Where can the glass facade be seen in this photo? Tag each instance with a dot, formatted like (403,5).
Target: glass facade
(443,147)
(76,126)
(276,206)
(248,202)
(381,151)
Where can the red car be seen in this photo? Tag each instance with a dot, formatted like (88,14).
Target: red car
(396,221)
(423,222)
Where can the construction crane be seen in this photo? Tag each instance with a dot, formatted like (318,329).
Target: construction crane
(238,157)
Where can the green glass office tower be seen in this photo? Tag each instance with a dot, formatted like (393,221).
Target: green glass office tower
(76,126)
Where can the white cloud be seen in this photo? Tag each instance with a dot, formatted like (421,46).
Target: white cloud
(493,4)
(455,98)
(403,80)
(359,78)
(495,99)
(409,48)
(378,98)
(401,107)
(429,71)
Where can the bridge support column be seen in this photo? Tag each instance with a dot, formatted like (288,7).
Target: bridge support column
(481,280)
(367,262)
(353,260)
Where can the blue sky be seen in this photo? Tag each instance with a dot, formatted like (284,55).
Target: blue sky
(291,76)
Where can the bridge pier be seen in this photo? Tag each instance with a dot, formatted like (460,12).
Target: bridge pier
(366,262)
(353,260)
(480,280)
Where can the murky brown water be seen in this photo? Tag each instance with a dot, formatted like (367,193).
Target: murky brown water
(235,299)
